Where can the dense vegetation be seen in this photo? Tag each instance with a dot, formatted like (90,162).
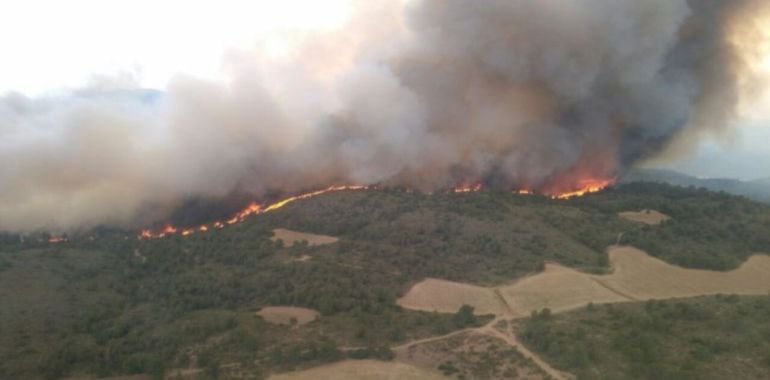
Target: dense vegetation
(706,230)
(722,337)
(105,303)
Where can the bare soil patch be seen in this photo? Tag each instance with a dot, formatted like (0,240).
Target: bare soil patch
(636,276)
(362,370)
(650,217)
(293,237)
(284,315)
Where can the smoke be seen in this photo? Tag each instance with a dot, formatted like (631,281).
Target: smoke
(512,93)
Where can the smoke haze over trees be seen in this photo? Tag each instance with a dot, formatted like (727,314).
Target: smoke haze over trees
(428,95)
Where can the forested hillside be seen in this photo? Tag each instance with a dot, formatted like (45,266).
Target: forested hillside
(105,303)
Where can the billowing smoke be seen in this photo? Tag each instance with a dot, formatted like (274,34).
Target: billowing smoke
(514,94)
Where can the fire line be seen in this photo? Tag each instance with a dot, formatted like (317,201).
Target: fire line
(586,187)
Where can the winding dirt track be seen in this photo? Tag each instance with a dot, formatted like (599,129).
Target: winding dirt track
(511,340)
(636,276)
(490,330)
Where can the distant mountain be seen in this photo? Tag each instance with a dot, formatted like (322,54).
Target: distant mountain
(758,190)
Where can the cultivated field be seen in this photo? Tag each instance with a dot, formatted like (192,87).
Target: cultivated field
(284,315)
(558,288)
(292,237)
(643,277)
(362,370)
(447,296)
(636,276)
(650,217)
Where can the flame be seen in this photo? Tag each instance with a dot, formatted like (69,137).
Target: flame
(587,186)
(57,239)
(468,188)
(252,209)
(584,187)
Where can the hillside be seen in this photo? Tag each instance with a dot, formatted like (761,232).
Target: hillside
(722,337)
(758,190)
(108,304)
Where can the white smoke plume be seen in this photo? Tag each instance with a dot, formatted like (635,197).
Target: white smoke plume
(511,93)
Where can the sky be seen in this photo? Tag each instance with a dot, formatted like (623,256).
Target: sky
(48,46)
(52,44)
(745,155)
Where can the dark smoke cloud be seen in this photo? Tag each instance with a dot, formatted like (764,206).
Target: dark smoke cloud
(512,93)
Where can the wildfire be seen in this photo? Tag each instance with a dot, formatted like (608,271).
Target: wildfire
(587,186)
(57,239)
(468,188)
(252,209)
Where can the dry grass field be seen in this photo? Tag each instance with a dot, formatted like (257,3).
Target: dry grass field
(643,277)
(636,276)
(362,370)
(283,315)
(650,217)
(558,288)
(448,297)
(292,237)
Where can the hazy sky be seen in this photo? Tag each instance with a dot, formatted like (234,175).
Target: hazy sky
(48,45)
(746,155)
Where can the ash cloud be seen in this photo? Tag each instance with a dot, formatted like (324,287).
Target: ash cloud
(436,93)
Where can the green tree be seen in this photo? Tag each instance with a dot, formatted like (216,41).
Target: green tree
(464,316)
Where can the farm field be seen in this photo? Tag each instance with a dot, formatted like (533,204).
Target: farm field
(635,276)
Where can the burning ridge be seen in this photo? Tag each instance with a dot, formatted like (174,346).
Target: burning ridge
(588,187)
(531,95)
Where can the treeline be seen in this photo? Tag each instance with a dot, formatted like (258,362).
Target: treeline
(707,230)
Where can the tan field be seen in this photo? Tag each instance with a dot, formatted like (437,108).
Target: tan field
(448,297)
(292,237)
(283,315)
(557,288)
(644,277)
(651,217)
(636,276)
(362,370)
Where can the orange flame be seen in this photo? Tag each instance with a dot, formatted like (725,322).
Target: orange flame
(57,239)
(468,188)
(587,186)
(252,209)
